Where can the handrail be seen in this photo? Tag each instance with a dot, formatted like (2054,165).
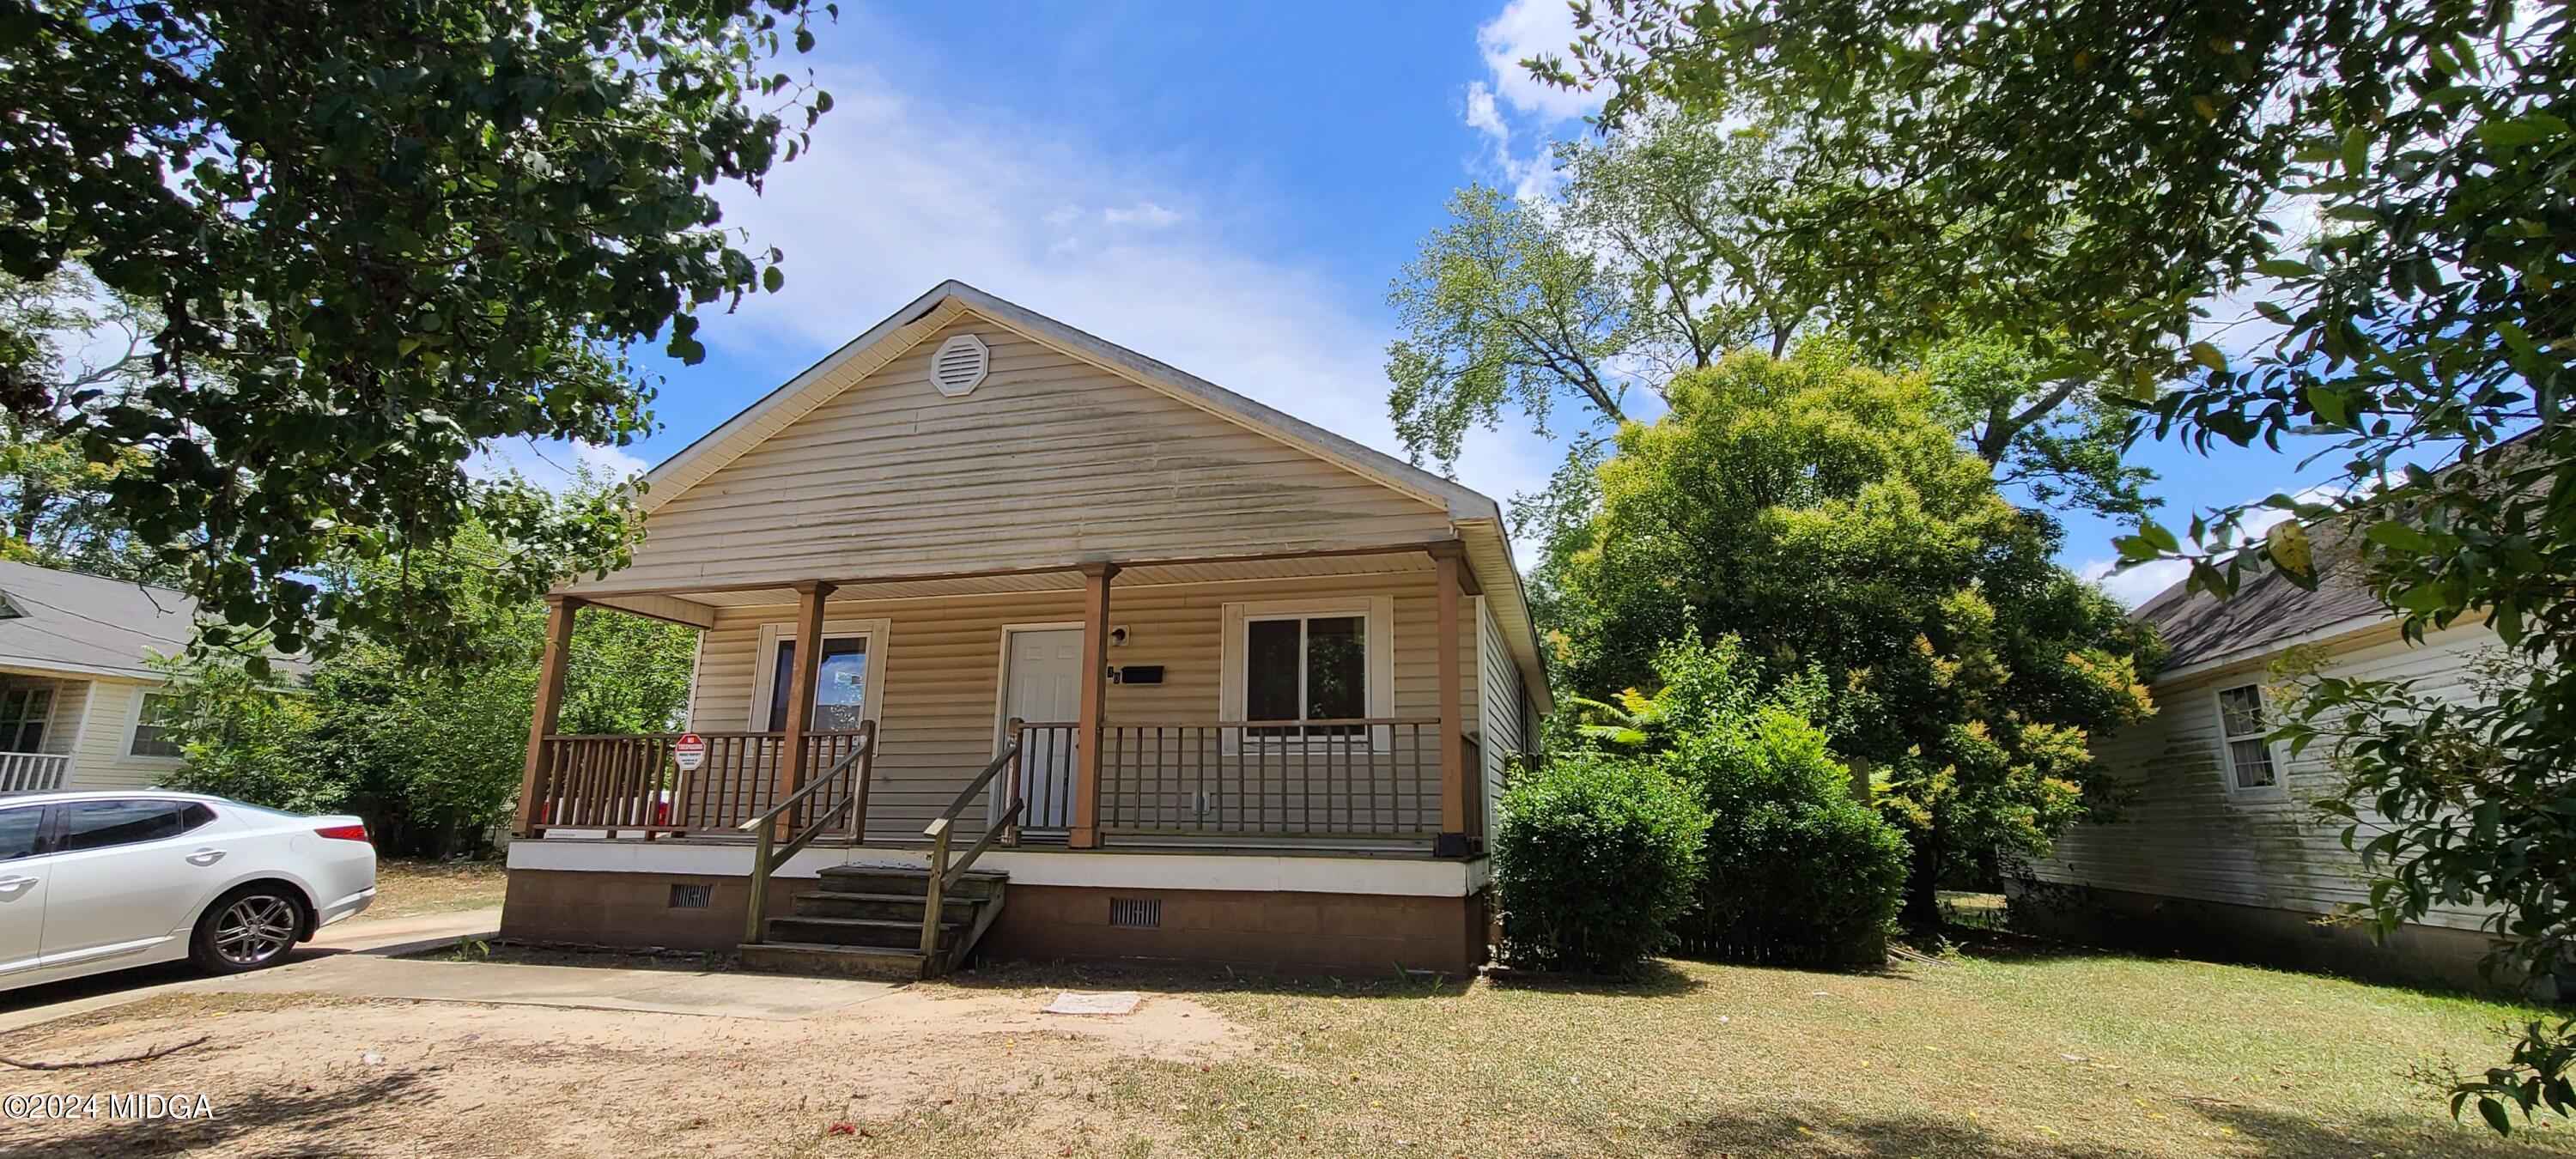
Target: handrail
(765,860)
(943,876)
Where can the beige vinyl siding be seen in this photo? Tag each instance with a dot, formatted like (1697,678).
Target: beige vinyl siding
(1049,461)
(943,663)
(2184,834)
(1499,717)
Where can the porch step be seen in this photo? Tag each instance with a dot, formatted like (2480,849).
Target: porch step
(901,907)
(865,922)
(836,961)
(887,934)
(978,884)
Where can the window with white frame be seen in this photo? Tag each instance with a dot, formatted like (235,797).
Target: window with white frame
(156,715)
(2244,729)
(847,684)
(1289,662)
(24,713)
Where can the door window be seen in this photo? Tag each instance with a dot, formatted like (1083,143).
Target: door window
(840,688)
(20,828)
(102,824)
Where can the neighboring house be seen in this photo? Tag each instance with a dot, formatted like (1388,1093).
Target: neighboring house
(81,706)
(1245,690)
(2218,849)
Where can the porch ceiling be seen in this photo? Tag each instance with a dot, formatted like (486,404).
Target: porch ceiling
(1066,579)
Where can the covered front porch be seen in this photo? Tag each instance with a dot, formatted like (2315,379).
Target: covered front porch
(1019,709)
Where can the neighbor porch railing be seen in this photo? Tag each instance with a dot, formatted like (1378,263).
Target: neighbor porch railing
(1362,778)
(630,782)
(33,772)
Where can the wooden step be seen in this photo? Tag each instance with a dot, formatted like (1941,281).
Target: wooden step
(902,907)
(979,883)
(836,961)
(858,931)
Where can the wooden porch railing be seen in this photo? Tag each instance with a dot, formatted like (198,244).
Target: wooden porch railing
(1358,778)
(630,781)
(946,873)
(839,794)
(33,772)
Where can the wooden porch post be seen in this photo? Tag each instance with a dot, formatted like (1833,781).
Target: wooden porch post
(1095,659)
(1452,841)
(810,595)
(560,611)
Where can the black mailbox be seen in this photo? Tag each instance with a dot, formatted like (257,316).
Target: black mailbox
(1140,674)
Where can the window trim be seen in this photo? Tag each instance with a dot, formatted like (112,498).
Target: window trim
(2227,749)
(764,665)
(134,721)
(1377,627)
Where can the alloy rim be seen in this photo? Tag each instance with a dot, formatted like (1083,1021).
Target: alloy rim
(256,929)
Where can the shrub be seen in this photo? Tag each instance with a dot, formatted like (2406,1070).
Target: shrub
(1595,857)
(1799,870)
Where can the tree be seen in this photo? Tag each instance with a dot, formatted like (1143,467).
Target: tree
(377,237)
(53,509)
(1651,259)
(1821,513)
(2113,167)
(431,754)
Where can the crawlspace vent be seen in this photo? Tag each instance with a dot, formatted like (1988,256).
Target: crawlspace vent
(1141,913)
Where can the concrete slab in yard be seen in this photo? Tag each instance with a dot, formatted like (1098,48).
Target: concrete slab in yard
(729,995)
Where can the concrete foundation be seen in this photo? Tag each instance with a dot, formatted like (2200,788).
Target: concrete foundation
(2287,939)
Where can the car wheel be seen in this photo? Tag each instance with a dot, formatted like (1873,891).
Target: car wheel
(246,930)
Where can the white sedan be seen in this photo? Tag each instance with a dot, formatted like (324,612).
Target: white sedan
(98,881)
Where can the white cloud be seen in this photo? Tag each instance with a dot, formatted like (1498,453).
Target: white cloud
(1530,30)
(896,196)
(1483,116)
(1144,213)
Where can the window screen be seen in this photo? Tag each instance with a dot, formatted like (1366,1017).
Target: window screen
(2249,755)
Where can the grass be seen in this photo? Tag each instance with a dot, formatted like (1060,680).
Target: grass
(409,886)
(2005,1048)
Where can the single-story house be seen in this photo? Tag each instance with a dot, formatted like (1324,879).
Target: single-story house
(1184,678)
(81,704)
(2218,849)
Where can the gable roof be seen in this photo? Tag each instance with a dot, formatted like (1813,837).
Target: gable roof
(1476,519)
(86,624)
(2267,611)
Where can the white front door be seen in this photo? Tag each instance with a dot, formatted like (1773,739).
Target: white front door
(1042,683)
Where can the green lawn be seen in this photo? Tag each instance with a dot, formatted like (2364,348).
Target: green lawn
(2011,1049)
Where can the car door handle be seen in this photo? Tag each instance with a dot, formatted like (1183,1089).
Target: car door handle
(12,887)
(205,857)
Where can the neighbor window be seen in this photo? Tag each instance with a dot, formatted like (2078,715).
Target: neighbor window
(23,713)
(2241,721)
(154,734)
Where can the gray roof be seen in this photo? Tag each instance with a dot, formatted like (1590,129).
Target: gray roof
(2267,609)
(71,622)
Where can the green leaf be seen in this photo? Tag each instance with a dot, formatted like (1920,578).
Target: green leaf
(2284,268)
(2209,356)
(2493,1112)
(2397,536)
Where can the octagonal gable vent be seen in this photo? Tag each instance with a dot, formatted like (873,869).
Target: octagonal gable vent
(959,365)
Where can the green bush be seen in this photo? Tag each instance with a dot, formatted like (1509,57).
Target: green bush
(1799,869)
(1800,873)
(1595,857)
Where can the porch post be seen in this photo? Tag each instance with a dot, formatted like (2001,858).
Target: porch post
(1452,841)
(560,612)
(810,595)
(1086,749)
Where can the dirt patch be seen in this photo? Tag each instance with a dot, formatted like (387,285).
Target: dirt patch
(602,957)
(405,887)
(305,1073)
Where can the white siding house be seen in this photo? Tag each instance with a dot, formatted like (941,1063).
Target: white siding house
(79,694)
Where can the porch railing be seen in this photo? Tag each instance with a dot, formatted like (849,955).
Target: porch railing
(630,782)
(1357,778)
(33,772)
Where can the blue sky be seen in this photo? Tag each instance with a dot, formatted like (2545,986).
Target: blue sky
(1229,190)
